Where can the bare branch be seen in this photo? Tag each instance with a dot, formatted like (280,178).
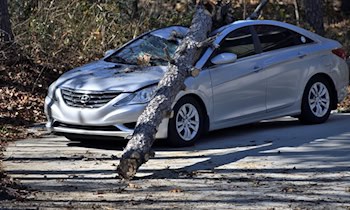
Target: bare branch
(255,15)
(208,42)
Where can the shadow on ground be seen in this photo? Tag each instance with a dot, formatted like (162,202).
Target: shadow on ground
(278,163)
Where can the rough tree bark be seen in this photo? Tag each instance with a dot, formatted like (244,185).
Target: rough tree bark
(296,11)
(314,14)
(138,149)
(342,5)
(345,6)
(5,24)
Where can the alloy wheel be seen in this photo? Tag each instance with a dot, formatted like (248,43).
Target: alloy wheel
(319,99)
(187,122)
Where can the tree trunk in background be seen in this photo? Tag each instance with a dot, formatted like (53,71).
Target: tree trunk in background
(138,149)
(5,24)
(314,14)
(341,5)
(133,8)
(296,12)
(345,6)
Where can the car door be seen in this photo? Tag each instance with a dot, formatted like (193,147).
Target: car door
(285,64)
(238,88)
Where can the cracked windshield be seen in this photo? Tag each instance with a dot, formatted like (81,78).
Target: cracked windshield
(149,50)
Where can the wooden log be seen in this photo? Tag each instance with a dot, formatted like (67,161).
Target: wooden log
(138,149)
(209,15)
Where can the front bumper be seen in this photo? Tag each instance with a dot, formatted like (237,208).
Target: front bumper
(107,120)
(124,132)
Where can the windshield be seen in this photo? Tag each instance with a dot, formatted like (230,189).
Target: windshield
(147,51)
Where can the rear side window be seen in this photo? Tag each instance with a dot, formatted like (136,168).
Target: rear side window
(239,42)
(275,37)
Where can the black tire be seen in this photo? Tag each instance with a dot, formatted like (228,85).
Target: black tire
(176,138)
(310,115)
(72,137)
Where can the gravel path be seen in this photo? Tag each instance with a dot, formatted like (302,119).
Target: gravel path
(277,164)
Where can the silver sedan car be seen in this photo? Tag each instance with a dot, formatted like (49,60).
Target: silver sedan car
(262,69)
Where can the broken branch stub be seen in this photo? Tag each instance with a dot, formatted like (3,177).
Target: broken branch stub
(255,15)
(138,149)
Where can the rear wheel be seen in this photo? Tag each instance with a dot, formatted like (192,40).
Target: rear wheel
(316,102)
(187,125)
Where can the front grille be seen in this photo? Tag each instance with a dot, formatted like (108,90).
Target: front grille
(131,125)
(87,99)
(86,127)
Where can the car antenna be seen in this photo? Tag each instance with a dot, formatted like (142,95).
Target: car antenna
(256,14)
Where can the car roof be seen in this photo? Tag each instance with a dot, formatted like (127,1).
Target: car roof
(242,23)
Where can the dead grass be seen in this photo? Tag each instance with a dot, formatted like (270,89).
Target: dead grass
(23,86)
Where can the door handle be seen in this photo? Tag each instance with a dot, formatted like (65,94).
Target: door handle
(301,54)
(257,69)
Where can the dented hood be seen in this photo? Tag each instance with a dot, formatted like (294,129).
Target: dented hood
(106,76)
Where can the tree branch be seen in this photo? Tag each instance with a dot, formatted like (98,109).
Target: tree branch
(138,149)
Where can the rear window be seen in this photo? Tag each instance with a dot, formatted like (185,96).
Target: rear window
(275,37)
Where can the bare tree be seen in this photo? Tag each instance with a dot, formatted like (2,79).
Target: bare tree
(345,6)
(342,5)
(314,14)
(5,24)
(296,11)
(138,150)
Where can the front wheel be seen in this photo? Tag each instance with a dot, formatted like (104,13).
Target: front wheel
(187,124)
(316,102)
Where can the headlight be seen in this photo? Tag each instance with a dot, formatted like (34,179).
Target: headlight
(51,91)
(140,97)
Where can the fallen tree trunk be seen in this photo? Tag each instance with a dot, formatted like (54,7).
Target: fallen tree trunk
(138,149)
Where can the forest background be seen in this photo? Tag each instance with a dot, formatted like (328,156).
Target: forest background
(53,36)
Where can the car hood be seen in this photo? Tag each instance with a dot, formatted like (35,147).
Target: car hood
(106,76)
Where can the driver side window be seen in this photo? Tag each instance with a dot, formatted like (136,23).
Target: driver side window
(239,42)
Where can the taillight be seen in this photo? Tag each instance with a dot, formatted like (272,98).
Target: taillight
(340,52)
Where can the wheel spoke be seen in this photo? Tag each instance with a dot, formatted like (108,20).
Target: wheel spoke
(184,135)
(312,100)
(312,105)
(323,103)
(180,126)
(317,87)
(323,91)
(191,113)
(194,122)
(313,91)
(192,126)
(319,110)
(187,134)
(182,113)
(325,100)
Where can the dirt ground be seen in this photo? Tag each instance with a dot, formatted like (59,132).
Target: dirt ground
(277,164)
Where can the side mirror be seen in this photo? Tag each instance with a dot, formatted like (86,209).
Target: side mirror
(109,52)
(224,58)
